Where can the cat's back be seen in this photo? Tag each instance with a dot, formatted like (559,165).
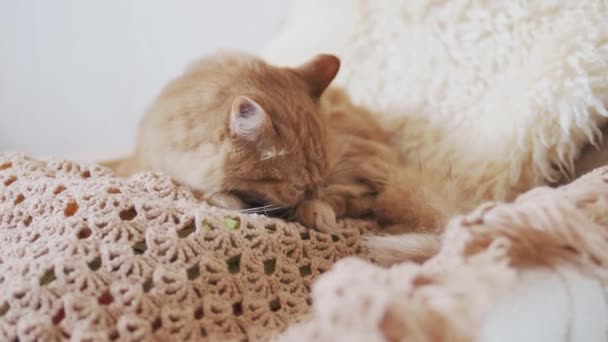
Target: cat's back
(188,101)
(345,118)
(180,133)
(191,107)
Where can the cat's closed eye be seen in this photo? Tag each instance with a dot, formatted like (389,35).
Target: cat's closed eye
(252,198)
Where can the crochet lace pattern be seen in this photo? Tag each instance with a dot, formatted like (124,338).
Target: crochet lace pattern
(88,256)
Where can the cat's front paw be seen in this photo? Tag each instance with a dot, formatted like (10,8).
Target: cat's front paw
(318,215)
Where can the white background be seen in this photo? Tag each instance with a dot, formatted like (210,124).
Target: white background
(76,75)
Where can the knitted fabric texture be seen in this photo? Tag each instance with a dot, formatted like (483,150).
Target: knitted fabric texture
(88,256)
(448,297)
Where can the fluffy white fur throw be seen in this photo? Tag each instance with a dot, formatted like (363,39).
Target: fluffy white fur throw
(494,96)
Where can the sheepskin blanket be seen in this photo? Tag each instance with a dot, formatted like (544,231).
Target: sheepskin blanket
(489,97)
(87,256)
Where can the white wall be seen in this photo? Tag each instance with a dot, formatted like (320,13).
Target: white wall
(76,75)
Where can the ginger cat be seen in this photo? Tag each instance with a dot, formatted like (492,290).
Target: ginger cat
(262,138)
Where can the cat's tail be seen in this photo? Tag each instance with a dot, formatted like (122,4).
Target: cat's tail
(391,249)
(122,167)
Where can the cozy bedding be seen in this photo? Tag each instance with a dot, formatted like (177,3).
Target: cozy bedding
(493,99)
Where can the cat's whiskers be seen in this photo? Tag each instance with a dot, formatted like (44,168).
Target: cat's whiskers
(265,209)
(254,209)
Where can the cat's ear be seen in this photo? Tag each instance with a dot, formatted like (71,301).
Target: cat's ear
(319,72)
(247,118)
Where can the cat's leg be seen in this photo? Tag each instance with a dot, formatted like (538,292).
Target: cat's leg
(336,201)
(349,200)
(403,206)
(398,206)
(414,225)
(317,214)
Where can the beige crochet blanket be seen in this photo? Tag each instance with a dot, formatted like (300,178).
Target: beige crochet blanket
(87,256)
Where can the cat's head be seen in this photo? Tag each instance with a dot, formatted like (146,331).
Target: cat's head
(278,152)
